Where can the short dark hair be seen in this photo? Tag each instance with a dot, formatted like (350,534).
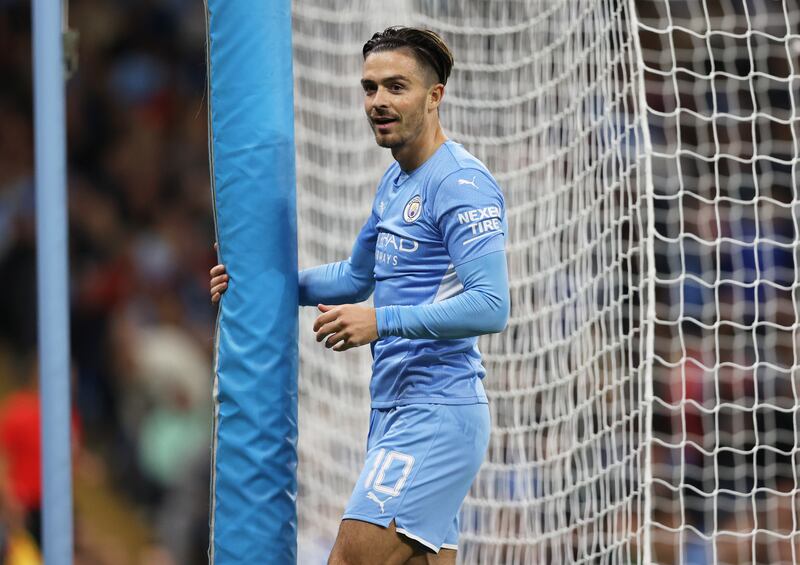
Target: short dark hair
(428,47)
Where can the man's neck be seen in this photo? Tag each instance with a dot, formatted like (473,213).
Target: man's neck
(412,155)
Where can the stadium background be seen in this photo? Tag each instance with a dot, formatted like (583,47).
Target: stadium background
(141,231)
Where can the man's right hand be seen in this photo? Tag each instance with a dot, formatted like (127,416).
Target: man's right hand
(219,282)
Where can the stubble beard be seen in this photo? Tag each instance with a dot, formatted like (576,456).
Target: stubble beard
(387,143)
(396,140)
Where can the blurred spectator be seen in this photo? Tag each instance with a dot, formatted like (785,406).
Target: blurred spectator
(141,229)
(21,466)
(20,450)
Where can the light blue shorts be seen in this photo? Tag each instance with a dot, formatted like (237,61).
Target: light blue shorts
(421,461)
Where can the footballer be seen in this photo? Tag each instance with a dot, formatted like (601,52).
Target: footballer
(432,256)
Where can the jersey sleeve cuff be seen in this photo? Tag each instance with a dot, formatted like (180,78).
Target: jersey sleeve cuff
(387,320)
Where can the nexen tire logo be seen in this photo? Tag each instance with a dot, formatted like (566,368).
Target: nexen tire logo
(482,222)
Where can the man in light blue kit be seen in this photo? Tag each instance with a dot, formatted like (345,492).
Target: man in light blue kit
(432,251)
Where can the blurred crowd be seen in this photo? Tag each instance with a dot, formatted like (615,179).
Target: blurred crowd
(726,417)
(141,231)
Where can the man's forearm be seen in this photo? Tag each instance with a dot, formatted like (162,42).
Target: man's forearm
(482,307)
(343,282)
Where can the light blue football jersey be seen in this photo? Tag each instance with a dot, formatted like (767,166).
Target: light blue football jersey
(423,224)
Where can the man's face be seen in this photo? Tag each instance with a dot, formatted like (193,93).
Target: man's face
(395,96)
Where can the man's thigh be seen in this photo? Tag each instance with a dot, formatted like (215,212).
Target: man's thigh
(362,543)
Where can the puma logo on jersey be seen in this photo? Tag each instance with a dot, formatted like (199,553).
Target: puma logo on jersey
(372,497)
(465,181)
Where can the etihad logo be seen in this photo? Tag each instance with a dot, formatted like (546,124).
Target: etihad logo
(387,240)
(465,181)
(389,247)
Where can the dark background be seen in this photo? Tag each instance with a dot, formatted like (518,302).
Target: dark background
(141,231)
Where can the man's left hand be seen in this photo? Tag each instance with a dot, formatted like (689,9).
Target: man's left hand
(346,326)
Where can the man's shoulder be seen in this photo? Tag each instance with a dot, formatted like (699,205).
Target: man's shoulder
(388,176)
(390,172)
(456,159)
(458,167)
(463,159)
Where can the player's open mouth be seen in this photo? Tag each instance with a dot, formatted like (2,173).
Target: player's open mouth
(383,124)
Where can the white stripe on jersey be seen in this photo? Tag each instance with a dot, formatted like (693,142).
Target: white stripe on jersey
(450,285)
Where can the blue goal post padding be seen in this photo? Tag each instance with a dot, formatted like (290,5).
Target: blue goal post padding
(251,128)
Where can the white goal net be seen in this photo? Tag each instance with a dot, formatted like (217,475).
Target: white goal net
(723,84)
(644,396)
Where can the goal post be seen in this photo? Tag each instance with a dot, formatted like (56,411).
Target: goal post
(253,483)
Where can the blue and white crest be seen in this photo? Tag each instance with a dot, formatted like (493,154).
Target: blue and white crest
(413,209)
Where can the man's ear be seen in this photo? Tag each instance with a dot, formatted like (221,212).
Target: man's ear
(435,96)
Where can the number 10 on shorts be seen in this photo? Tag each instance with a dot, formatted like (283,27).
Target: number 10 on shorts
(382,470)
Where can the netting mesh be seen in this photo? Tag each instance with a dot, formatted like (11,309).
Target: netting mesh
(546,94)
(671,231)
(722,91)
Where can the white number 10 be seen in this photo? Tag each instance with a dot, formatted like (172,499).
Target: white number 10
(406,460)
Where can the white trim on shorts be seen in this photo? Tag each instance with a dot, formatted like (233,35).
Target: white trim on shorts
(450,546)
(418,539)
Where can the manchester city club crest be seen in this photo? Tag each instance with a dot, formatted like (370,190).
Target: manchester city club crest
(413,209)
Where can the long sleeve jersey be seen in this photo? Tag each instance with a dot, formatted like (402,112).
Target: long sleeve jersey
(432,251)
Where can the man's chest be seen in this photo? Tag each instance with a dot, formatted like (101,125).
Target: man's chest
(408,238)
